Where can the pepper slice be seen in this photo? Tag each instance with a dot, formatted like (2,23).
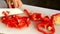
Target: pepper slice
(33,16)
(46,24)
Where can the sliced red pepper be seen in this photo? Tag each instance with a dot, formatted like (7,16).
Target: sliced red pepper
(34,16)
(15,20)
(46,24)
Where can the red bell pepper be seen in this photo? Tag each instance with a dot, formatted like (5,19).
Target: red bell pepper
(34,16)
(46,24)
(15,20)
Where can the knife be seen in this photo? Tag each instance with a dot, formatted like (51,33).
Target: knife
(12,11)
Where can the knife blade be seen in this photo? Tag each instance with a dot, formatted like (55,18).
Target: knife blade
(12,11)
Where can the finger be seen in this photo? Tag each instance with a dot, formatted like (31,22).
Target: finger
(15,3)
(8,3)
(19,3)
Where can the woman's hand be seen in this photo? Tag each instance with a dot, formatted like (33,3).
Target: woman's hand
(14,3)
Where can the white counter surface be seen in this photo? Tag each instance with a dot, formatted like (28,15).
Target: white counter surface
(31,29)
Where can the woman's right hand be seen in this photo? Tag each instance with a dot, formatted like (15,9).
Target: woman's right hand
(14,3)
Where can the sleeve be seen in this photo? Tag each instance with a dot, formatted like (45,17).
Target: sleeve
(3,4)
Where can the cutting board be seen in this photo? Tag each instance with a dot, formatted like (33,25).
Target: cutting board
(32,28)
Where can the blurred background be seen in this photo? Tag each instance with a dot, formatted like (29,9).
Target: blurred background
(52,4)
